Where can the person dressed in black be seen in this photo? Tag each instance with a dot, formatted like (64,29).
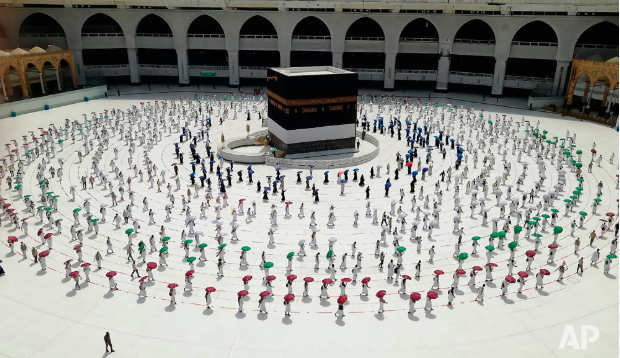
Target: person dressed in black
(265,195)
(367,192)
(362,180)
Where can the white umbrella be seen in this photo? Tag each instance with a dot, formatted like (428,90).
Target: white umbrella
(502,203)
(332,239)
(73,186)
(217,222)
(315,229)
(301,242)
(457,218)
(197,233)
(398,237)
(496,219)
(168,206)
(415,222)
(103,205)
(234,225)
(191,218)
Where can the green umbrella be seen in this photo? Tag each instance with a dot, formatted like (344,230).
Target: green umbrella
(27,196)
(490,122)
(557,230)
(574,197)
(42,182)
(579,151)
(476,238)
(330,253)
(512,245)
(268,265)
(494,235)
(163,249)
(576,192)
(517,229)
(141,247)
(49,208)
(128,231)
(534,223)
(545,216)
(612,256)
(501,234)
(56,196)
(202,246)
(94,220)
(77,210)
(49,193)
(554,210)
(290,255)
(489,247)
(583,213)
(187,242)
(568,201)
(463,256)
(42,187)
(245,248)
(536,218)
(401,249)
(580,179)
(221,247)
(579,165)
(191,259)
(598,200)
(40,207)
(167,238)
(537,235)
(17,182)
(17,187)
(580,188)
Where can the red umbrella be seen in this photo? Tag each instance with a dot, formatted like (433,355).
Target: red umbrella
(13,214)
(174,164)
(110,274)
(415,296)
(346,280)
(308,279)
(151,265)
(48,235)
(189,273)
(246,278)
(432,295)
(610,214)
(5,206)
(327,281)
(491,264)
(142,279)
(552,246)
(289,297)
(242,293)
(381,293)
(291,277)
(438,272)
(460,272)
(530,253)
(77,247)
(66,262)
(74,273)
(477,268)
(85,264)
(545,272)
(341,172)
(366,280)
(10,210)
(172,285)
(288,203)
(210,289)
(40,232)
(510,279)
(593,151)
(241,200)
(265,294)
(13,239)
(342,300)
(523,274)
(409,164)
(44,254)
(407,277)
(271,278)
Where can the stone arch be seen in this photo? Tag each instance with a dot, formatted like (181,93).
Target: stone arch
(258,25)
(475,30)
(217,27)
(312,20)
(537,26)
(420,22)
(155,18)
(365,27)
(99,18)
(38,17)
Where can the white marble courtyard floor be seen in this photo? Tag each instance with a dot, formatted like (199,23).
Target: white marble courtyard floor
(41,315)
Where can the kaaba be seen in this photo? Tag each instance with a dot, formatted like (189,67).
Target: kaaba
(311,109)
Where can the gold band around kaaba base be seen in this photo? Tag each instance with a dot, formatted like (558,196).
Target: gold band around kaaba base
(312,101)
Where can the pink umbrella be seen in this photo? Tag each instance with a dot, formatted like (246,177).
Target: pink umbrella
(477,268)
(189,273)
(13,239)
(460,272)
(342,300)
(44,254)
(210,289)
(110,274)
(510,279)
(327,281)
(291,277)
(432,295)
(346,280)
(407,277)
(530,253)
(48,235)
(242,293)
(289,297)
(491,264)
(142,279)
(438,272)
(85,264)
(151,265)
(74,273)
(523,274)
(381,293)
(545,272)
(415,296)
(246,278)
(552,246)
(271,278)
(264,294)
(308,279)
(172,285)
(366,280)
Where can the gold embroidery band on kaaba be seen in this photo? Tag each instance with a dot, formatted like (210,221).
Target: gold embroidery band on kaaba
(312,101)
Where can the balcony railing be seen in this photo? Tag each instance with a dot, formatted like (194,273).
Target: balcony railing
(260,68)
(213,68)
(530,43)
(529,79)
(474,42)
(418,40)
(600,46)
(418,72)
(167,67)
(152,34)
(258,36)
(364,38)
(47,34)
(308,37)
(102,34)
(99,67)
(365,70)
(213,36)
(471,74)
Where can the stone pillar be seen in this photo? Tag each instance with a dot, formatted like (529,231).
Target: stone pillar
(79,67)
(41,81)
(58,80)
(561,70)
(497,89)
(337,59)
(390,71)
(285,58)
(586,93)
(6,98)
(443,65)
(44,83)
(233,68)
(134,71)
(182,65)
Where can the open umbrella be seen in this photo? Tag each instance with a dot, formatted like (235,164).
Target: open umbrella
(415,296)
(242,293)
(612,256)
(188,241)
(401,249)
(13,239)
(381,293)
(523,274)
(510,279)
(460,272)
(245,248)
(432,295)
(151,265)
(489,247)
(246,278)
(291,277)
(438,272)
(327,281)
(530,253)
(476,238)
(173,285)
(202,246)
(477,268)
(342,300)
(222,246)
(191,259)
(128,231)
(74,273)
(264,294)
(163,249)
(268,265)
(290,255)
(167,238)
(110,274)
(545,272)
(189,273)
(210,289)
(463,256)
(289,297)
(308,279)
